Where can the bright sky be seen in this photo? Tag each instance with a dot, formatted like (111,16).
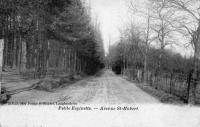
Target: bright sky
(113,14)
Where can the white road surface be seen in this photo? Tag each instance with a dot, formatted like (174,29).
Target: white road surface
(105,89)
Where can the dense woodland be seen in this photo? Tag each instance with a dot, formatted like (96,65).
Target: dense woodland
(44,37)
(146,52)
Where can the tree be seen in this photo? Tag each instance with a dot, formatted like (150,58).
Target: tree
(156,28)
(162,20)
(189,26)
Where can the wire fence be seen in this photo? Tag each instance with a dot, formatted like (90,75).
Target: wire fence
(176,84)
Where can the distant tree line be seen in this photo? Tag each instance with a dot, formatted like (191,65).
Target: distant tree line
(49,35)
(125,55)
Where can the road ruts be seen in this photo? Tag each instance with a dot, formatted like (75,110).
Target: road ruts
(105,89)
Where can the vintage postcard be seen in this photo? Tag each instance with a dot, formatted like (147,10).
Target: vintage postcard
(99,63)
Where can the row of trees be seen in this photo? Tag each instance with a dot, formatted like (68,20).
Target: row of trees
(147,48)
(44,35)
(128,54)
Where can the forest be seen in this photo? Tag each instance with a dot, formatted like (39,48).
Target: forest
(46,37)
(147,53)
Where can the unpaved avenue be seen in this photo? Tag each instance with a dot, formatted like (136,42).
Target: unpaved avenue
(106,89)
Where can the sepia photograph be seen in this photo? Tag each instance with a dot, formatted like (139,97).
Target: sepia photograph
(102,63)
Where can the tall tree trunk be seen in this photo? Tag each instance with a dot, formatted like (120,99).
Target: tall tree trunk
(124,62)
(48,54)
(64,59)
(14,53)
(5,51)
(23,56)
(192,91)
(19,53)
(14,44)
(145,67)
(1,60)
(69,57)
(146,50)
(75,61)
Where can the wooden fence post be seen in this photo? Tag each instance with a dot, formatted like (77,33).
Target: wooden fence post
(171,81)
(189,80)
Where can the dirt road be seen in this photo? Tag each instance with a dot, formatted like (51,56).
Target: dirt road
(105,89)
